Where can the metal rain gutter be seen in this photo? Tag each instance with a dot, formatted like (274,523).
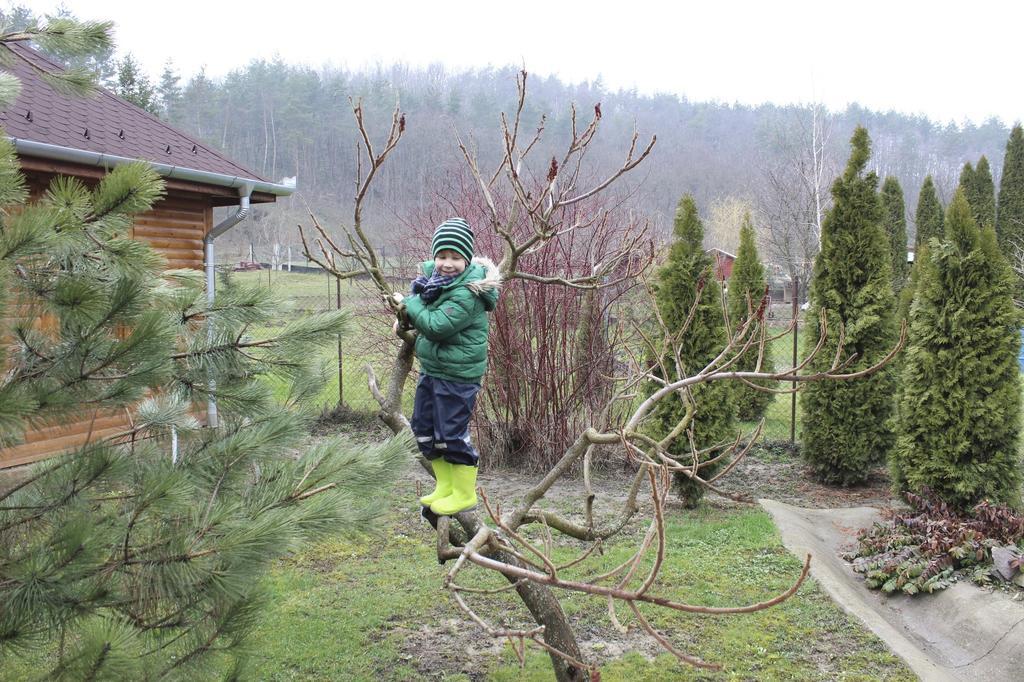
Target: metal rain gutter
(89,158)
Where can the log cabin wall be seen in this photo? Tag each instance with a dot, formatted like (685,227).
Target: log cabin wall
(175,227)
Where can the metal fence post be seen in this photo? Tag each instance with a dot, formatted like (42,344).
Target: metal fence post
(341,371)
(796,328)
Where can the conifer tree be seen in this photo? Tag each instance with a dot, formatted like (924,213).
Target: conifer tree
(979,191)
(687,275)
(894,217)
(168,91)
(1010,212)
(142,553)
(928,217)
(966,182)
(929,221)
(96,61)
(982,197)
(846,424)
(133,85)
(747,286)
(960,406)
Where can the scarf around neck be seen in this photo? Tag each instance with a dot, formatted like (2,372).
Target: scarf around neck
(430,288)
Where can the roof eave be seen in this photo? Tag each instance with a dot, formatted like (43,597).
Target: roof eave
(89,158)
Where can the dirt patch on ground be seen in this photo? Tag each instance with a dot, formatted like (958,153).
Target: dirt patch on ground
(443,646)
(775,471)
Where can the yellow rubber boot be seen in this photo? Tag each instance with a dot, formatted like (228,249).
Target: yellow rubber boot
(463,495)
(443,481)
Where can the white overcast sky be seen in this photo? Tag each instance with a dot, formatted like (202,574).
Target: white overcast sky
(946,60)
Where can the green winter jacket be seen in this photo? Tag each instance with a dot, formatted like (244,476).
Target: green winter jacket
(452,339)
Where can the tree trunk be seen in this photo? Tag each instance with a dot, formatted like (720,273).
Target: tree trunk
(543,606)
(558,633)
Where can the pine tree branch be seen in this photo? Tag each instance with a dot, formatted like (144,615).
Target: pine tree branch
(76,488)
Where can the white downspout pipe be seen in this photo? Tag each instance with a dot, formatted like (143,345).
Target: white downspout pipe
(220,228)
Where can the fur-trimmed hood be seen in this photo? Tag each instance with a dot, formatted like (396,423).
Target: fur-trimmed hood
(491,280)
(484,280)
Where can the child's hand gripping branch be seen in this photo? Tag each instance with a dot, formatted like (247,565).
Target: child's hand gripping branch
(397,303)
(448,308)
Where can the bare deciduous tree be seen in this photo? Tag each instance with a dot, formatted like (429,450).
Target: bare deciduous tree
(722,228)
(497,541)
(794,196)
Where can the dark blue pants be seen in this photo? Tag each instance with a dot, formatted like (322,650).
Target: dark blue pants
(440,419)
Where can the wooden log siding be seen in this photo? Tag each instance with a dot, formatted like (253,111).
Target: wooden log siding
(175,228)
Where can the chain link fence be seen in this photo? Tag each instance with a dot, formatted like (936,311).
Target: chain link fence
(306,289)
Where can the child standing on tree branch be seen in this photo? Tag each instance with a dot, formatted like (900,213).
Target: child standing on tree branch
(448,309)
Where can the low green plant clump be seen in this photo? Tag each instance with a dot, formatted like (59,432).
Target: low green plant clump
(933,545)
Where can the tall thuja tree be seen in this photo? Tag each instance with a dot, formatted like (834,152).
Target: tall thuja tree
(140,555)
(1010,218)
(966,182)
(846,424)
(1010,211)
(894,218)
(982,197)
(929,224)
(746,288)
(928,217)
(979,191)
(687,279)
(960,406)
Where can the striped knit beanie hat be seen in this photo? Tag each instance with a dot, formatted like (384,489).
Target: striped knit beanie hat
(454,234)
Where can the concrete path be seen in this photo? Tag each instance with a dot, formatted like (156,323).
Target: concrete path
(960,633)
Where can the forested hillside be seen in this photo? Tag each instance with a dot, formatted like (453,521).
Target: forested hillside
(285,120)
(778,161)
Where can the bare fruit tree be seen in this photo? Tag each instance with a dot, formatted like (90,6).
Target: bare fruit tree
(722,227)
(500,539)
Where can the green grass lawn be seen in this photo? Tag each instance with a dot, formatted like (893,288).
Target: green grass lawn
(356,387)
(373,609)
(319,288)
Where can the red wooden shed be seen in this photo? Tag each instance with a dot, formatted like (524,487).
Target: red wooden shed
(723,263)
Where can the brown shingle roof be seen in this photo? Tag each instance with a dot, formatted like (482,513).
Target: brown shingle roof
(101,122)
